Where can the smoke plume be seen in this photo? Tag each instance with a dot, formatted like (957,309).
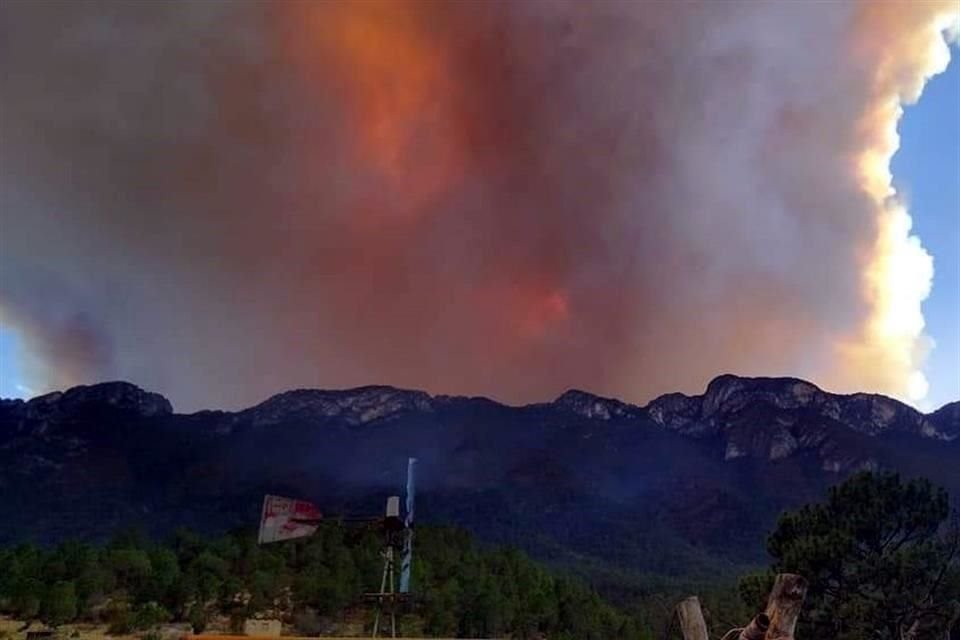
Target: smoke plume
(220,200)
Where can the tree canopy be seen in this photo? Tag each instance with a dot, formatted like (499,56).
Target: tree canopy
(882,556)
(462,590)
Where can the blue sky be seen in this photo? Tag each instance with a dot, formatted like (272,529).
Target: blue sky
(9,367)
(926,171)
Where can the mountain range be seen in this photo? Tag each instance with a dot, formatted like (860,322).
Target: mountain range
(686,486)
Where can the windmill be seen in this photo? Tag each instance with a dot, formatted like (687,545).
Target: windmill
(398,538)
(287,519)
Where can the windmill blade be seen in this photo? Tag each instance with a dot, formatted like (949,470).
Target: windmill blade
(407,557)
(286,519)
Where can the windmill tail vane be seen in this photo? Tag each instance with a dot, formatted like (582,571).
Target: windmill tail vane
(406,558)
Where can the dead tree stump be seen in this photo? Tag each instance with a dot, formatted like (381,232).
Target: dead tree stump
(778,622)
(692,624)
(784,604)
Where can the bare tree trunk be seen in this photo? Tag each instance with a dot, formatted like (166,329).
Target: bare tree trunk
(692,624)
(783,607)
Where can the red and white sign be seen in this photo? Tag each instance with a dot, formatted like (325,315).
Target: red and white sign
(286,519)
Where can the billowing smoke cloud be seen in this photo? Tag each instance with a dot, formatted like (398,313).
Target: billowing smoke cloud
(220,200)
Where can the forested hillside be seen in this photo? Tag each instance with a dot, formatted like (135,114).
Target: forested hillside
(314,585)
(881,555)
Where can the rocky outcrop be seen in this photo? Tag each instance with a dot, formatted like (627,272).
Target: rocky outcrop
(107,397)
(775,418)
(730,395)
(353,406)
(42,436)
(117,395)
(595,407)
(681,413)
(946,420)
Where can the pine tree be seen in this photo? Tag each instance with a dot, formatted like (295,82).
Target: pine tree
(882,558)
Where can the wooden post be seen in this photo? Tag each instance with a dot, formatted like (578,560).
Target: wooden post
(692,624)
(757,629)
(783,607)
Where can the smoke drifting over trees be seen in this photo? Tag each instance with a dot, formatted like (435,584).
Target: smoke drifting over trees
(221,200)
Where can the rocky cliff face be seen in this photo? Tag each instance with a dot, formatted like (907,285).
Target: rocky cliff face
(777,418)
(119,396)
(946,420)
(353,406)
(40,435)
(728,396)
(595,407)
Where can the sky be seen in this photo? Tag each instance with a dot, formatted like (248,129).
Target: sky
(11,385)
(223,200)
(926,170)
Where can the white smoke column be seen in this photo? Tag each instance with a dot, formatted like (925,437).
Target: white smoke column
(890,352)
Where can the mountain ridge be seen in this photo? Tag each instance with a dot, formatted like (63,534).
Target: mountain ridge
(681,486)
(121,393)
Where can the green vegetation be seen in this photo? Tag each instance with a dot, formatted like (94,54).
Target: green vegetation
(882,557)
(132,584)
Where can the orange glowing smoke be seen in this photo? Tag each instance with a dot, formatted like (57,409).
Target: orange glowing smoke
(409,125)
(391,72)
(526,314)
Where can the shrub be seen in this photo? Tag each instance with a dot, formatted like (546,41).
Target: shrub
(150,615)
(308,623)
(198,618)
(118,617)
(60,605)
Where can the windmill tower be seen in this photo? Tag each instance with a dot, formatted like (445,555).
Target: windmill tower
(398,540)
